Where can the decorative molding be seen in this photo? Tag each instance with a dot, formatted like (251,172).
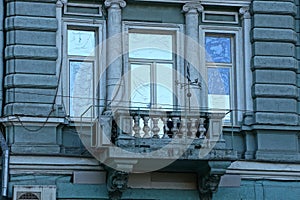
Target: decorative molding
(263,170)
(61,3)
(111,3)
(116,183)
(245,12)
(208,184)
(192,8)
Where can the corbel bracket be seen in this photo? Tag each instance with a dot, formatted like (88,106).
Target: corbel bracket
(116,183)
(207,185)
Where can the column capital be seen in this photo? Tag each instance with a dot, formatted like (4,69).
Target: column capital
(119,3)
(194,7)
(61,3)
(245,12)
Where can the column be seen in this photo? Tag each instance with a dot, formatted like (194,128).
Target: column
(246,18)
(192,54)
(114,47)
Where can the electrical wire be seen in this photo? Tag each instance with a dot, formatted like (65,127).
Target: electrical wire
(52,106)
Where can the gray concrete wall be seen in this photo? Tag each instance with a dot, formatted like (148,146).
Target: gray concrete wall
(30,55)
(30,80)
(275,91)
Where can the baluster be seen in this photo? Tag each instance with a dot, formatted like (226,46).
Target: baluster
(136,128)
(193,128)
(166,128)
(155,128)
(183,128)
(174,128)
(201,129)
(146,128)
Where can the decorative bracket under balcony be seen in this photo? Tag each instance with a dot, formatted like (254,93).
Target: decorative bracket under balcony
(116,183)
(208,181)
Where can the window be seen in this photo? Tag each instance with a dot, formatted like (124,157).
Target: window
(152,62)
(224,70)
(82,66)
(151,69)
(81,62)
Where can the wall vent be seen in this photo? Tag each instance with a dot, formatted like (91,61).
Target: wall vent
(34,192)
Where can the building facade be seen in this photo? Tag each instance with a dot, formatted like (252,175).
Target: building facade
(150,99)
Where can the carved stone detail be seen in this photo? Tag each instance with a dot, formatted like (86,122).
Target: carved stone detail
(208,184)
(245,12)
(119,3)
(116,184)
(192,8)
(61,3)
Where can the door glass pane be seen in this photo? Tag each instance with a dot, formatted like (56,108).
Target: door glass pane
(81,43)
(164,85)
(81,87)
(150,46)
(218,49)
(140,85)
(219,89)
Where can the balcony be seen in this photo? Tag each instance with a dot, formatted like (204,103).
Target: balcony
(154,135)
(129,141)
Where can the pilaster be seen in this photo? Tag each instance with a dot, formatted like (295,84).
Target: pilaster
(114,46)
(192,53)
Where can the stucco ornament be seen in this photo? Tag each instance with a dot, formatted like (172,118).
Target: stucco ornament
(116,183)
(192,7)
(120,3)
(245,12)
(208,184)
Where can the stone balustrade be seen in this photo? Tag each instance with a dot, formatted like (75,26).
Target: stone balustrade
(168,124)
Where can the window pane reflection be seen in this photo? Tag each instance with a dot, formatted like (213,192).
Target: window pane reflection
(81,43)
(218,49)
(140,85)
(81,87)
(219,89)
(164,81)
(150,46)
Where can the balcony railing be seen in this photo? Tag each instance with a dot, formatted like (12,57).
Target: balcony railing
(168,124)
(132,128)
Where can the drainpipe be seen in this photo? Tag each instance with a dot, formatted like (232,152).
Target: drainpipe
(2,11)
(4,146)
(5,159)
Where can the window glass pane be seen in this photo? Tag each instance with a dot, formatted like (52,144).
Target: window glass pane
(219,89)
(81,87)
(140,85)
(81,43)
(218,49)
(164,85)
(150,46)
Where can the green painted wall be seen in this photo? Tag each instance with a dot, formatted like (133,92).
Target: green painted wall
(260,190)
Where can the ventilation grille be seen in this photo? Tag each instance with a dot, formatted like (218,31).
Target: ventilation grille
(34,192)
(29,196)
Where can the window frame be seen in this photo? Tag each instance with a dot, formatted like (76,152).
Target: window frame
(237,83)
(99,90)
(148,27)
